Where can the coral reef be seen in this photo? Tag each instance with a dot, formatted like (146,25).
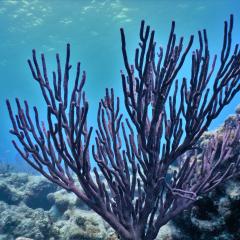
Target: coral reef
(166,119)
(215,216)
(22,215)
(20,220)
(67,218)
(30,189)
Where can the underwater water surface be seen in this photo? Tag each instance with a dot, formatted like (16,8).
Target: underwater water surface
(92,29)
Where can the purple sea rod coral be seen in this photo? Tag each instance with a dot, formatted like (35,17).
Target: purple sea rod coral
(147,162)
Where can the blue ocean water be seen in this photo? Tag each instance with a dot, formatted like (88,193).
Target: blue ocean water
(92,29)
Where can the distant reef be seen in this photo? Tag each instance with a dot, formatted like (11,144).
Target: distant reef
(32,208)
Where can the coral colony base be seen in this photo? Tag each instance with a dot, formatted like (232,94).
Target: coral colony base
(149,162)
